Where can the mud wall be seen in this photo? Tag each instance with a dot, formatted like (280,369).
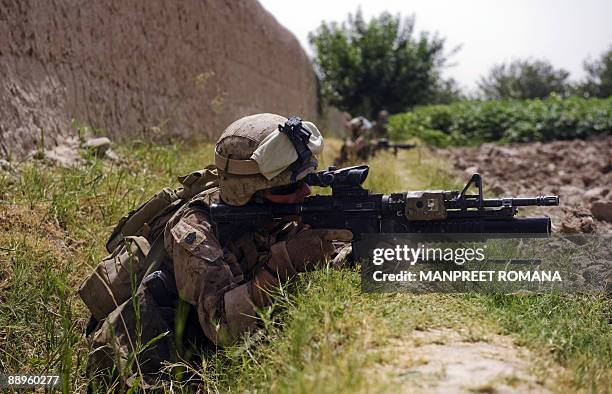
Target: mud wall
(183,68)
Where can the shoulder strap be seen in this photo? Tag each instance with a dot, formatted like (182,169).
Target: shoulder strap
(156,255)
(151,215)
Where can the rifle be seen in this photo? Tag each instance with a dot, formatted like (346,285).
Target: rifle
(384,144)
(352,207)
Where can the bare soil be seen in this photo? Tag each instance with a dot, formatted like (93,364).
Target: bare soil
(579,172)
(445,361)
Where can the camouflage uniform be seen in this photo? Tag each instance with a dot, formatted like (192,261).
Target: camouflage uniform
(222,282)
(379,130)
(222,285)
(356,146)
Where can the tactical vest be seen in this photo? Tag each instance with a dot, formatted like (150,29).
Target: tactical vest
(136,245)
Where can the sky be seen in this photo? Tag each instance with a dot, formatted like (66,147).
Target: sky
(564,32)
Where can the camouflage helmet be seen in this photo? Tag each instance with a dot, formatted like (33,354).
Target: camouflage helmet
(360,124)
(254,153)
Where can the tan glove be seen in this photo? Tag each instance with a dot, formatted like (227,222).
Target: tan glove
(299,254)
(311,246)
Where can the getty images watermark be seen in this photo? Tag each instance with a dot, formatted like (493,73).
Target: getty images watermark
(458,256)
(469,263)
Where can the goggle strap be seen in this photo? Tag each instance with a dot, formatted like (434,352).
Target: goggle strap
(299,137)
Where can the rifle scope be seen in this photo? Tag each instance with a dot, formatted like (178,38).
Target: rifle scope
(345,177)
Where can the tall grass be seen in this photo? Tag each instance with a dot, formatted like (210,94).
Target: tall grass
(573,329)
(54,223)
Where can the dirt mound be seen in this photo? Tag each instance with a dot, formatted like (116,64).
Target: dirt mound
(135,69)
(580,172)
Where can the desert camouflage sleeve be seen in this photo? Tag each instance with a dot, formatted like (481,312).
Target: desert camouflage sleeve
(210,278)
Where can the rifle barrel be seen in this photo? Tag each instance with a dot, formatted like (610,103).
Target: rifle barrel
(473,202)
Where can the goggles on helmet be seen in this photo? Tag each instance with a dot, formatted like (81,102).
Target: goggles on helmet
(299,137)
(293,146)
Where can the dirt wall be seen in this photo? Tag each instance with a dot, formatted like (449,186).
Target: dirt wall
(186,68)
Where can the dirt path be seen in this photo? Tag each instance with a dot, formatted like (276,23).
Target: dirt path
(443,361)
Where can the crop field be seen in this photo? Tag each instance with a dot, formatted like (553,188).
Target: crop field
(472,122)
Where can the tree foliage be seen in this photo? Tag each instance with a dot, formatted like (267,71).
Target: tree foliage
(599,77)
(446,91)
(367,66)
(523,79)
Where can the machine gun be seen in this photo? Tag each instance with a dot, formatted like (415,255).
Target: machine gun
(352,207)
(384,144)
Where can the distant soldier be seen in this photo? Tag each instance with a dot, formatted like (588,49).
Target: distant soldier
(220,286)
(379,130)
(346,121)
(356,145)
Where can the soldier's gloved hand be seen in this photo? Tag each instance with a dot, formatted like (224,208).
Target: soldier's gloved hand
(310,246)
(299,254)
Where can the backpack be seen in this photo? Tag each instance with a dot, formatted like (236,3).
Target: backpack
(136,245)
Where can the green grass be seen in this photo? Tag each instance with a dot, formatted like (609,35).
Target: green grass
(53,226)
(327,336)
(574,330)
(323,335)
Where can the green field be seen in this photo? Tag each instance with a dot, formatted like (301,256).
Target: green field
(322,333)
(473,122)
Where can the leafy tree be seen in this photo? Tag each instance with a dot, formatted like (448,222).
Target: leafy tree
(523,79)
(367,66)
(599,77)
(446,91)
